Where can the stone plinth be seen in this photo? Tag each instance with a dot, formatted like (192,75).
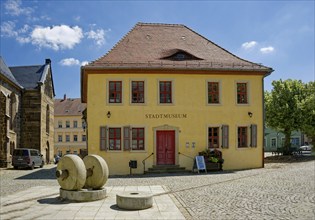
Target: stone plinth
(83,195)
(135,200)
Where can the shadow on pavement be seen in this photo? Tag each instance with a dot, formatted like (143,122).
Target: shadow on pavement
(158,175)
(53,201)
(289,158)
(40,173)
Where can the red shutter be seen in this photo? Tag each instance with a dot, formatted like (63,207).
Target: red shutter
(103,138)
(225,136)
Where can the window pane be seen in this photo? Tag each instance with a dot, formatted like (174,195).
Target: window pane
(114,138)
(242,93)
(137,92)
(138,138)
(115,91)
(213,137)
(165,92)
(242,137)
(213,92)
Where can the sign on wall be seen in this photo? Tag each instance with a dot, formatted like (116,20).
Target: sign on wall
(162,116)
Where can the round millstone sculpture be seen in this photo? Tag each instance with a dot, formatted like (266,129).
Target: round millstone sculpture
(71,172)
(96,170)
(72,176)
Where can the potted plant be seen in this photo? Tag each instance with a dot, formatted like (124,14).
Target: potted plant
(213,159)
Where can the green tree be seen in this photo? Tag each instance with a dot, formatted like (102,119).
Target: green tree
(285,106)
(308,108)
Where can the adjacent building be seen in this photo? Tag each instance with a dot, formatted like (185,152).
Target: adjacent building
(70,129)
(275,139)
(164,93)
(26,110)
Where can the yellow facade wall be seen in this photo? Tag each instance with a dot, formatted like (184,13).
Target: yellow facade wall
(190,99)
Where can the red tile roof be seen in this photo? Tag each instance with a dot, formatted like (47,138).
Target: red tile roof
(161,48)
(152,46)
(68,107)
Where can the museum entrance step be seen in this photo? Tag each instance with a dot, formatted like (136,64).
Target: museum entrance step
(167,169)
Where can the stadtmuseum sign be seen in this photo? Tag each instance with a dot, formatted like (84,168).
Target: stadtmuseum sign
(162,116)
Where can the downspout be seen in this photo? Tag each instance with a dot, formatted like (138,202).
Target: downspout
(264,115)
(264,118)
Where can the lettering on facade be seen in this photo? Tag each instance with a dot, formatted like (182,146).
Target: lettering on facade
(162,116)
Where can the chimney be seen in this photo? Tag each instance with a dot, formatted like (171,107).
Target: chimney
(64,97)
(47,61)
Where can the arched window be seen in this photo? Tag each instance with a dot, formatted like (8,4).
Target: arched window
(12,110)
(47,119)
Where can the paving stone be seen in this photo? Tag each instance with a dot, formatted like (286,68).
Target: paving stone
(278,191)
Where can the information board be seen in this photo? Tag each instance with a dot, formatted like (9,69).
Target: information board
(201,165)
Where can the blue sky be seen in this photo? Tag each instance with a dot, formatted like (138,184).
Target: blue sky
(278,34)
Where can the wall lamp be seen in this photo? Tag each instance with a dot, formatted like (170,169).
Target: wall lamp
(109,114)
(250,114)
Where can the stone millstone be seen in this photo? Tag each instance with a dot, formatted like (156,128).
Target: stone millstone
(83,195)
(71,172)
(134,200)
(97,171)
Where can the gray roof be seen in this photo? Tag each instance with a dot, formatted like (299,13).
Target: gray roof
(5,71)
(28,76)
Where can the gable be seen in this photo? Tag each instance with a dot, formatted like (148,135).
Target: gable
(48,86)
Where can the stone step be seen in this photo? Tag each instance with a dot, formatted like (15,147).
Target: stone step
(167,169)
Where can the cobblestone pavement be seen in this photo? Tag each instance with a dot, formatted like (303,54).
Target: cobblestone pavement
(279,191)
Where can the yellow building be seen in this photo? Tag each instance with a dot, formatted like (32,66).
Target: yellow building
(70,135)
(164,93)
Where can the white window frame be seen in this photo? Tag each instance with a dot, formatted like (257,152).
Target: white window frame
(145,91)
(122,91)
(220,134)
(220,92)
(173,91)
(248,137)
(248,87)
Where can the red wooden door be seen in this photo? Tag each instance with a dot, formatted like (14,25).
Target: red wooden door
(165,144)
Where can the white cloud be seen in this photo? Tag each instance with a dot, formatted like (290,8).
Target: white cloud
(7,29)
(57,37)
(267,49)
(23,40)
(98,36)
(83,63)
(13,7)
(72,62)
(24,29)
(69,62)
(249,45)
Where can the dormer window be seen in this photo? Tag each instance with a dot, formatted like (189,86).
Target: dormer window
(179,55)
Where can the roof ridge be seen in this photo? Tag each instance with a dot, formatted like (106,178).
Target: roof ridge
(26,66)
(159,24)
